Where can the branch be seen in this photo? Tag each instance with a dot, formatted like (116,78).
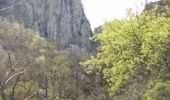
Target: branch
(12,6)
(27,97)
(8,79)
(18,61)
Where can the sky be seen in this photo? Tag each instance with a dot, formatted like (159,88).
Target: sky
(100,11)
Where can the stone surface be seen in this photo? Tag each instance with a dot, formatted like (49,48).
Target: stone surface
(62,20)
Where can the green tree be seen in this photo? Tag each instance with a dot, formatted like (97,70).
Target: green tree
(31,67)
(55,72)
(133,50)
(159,91)
(18,52)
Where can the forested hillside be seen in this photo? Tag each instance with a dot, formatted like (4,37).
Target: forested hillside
(131,62)
(32,68)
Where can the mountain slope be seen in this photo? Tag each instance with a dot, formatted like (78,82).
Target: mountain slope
(62,20)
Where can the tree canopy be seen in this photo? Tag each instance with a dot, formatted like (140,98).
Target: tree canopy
(134,50)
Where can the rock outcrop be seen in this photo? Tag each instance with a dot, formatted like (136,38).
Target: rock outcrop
(62,20)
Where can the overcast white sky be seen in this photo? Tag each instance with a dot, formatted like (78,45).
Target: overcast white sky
(100,11)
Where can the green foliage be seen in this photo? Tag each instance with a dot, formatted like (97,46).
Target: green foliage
(21,89)
(159,91)
(132,49)
(48,70)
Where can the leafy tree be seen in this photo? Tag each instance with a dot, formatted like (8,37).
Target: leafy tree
(18,48)
(56,72)
(45,71)
(133,50)
(32,67)
(159,91)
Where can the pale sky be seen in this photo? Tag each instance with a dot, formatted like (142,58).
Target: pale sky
(100,11)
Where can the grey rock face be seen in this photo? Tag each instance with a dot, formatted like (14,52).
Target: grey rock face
(62,20)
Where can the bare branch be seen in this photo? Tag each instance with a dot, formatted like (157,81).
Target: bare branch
(26,97)
(19,60)
(12,6)
(14,76)
(8,78)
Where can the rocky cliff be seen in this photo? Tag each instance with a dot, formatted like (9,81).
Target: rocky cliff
(62,20)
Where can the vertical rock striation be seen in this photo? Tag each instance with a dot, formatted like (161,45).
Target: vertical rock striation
(62,20)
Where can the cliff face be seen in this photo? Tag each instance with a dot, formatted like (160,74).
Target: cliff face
(62,20)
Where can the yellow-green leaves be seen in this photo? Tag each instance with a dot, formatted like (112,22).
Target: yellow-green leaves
(41,59)
(132,48)
(159,91)
(36,39)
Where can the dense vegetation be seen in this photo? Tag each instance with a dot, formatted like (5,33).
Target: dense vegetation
(131,63)
(32,68)
(134,56)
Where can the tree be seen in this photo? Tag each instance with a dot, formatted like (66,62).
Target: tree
(55,73)
(159,91)
(17,45)
(133,51)
(45,71)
